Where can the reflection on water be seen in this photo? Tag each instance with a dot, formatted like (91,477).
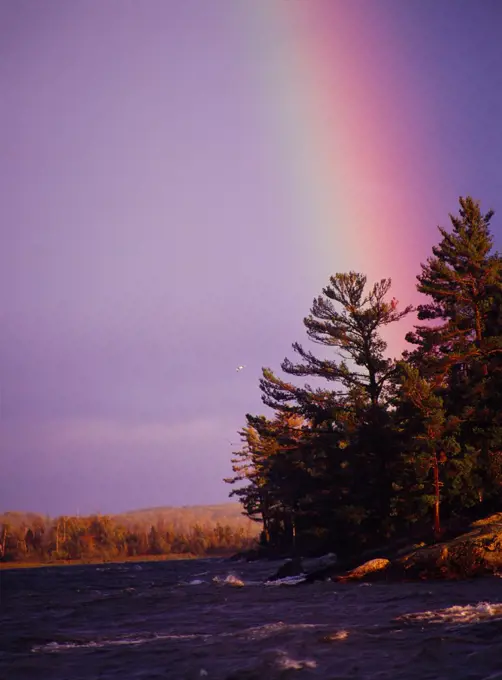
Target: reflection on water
(216,619)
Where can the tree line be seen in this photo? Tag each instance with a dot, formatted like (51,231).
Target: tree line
(101,537)
(384,450)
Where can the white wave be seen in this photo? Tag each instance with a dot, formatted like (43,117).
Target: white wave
(337,635)
(483,611)
(195,582)
(269,629)
(229,580)
(121,567)
(117,642)
(287,581)
(286,663)
(255,633)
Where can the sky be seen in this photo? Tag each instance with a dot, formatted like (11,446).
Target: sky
(179,179)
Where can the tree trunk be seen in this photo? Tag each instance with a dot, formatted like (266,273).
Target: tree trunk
(479,336)
(4,541)
(437,525)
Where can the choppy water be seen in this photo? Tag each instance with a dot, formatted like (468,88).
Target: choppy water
(218,620)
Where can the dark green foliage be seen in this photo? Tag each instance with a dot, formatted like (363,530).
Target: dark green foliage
(385,450)
(463,283)
(328,479)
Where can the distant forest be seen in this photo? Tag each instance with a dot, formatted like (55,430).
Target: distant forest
(385,451)
(189,531)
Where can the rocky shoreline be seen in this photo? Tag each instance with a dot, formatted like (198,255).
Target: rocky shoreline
(476,552)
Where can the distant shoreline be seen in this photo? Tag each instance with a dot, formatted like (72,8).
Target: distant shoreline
(4,566)
(31,540)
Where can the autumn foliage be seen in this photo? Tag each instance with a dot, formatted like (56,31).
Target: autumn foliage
(197,531)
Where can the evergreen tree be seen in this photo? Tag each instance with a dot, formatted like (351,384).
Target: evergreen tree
(384,449)
(350,417)
(352,330)
(461,350)
(461,279)
(250,465)
(431,467)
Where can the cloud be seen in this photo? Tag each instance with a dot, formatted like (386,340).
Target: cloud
(58,437)
(97,432)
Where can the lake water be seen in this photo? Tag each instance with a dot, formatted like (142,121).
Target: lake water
(189,619)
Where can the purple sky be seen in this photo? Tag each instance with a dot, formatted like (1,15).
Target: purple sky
(149,244)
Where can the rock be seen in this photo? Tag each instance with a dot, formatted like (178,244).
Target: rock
(315,563)
(291,567)
(319,568)
(368,569)
(247,556)
(475,553)
(492,519)
(408,549)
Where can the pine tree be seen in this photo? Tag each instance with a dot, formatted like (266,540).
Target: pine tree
(431,470)
(462,348)
(249,465)
(353,332)
(461,280)
(348,321)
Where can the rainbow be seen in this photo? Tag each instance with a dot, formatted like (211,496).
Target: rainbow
(348,139)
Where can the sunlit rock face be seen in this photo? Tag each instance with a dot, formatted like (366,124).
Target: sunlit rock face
(475,553)
(364,570)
